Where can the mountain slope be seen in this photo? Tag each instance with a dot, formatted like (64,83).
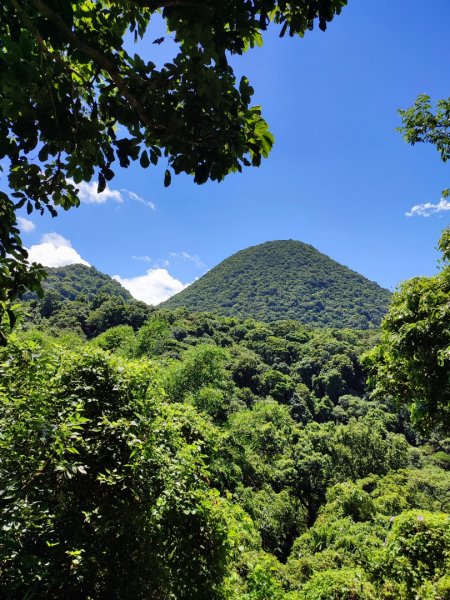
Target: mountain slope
(287,280)
(74,280)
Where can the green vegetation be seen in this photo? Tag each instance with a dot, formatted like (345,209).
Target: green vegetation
(200,456)
(74,102)
(428,124)
(287,280)
(82,300)
(173,455)
(74,280)
(411,363)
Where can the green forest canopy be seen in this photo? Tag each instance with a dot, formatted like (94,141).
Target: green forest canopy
(230,459)
(71,281)
(412,361)
(224,418)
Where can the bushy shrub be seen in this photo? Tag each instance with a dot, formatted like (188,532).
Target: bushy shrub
(342,584)
(418,548)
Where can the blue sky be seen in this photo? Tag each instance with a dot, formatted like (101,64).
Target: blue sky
(339,177)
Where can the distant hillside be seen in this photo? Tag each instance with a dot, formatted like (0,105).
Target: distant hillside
(84,301)
(74,280)
(287,280)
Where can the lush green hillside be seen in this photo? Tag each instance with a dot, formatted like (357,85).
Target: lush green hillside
(74,280)
(287,280)
(82,300)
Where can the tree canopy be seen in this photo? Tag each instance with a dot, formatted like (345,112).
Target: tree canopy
(205,457)
(412,361)
(74,101)
(425,123)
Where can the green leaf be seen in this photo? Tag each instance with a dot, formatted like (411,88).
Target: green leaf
(43,153)
(144,160)
(101,183)
(153,157)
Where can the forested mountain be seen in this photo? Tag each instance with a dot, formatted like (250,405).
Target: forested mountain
(82,300)
(287,280)
(74,280)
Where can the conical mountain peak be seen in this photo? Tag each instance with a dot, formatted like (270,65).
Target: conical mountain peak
(287,279)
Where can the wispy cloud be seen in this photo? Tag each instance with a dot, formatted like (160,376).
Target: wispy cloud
(185,256)
(87,192)
(25,225)
(154,287)
(163,263)
(143,258)
(156,263)
(137,198)
(428,209)
(55,251)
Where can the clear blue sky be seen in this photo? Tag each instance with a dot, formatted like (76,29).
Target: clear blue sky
(340,177)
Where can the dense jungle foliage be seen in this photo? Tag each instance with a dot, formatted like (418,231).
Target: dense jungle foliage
(287,280)
(189,455)
(83,300)
(412,362)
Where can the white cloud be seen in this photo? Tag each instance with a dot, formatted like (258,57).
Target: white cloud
(427,209)
(156,264)
(154,287)
(55,251)
(137,198)
(143,258)
(56,240)
(25,225)
(189,257)
(87,193)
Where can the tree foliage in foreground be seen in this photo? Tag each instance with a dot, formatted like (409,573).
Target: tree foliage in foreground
(110,496)
(203,457)
(74,102)
(428,124)
(412,361)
